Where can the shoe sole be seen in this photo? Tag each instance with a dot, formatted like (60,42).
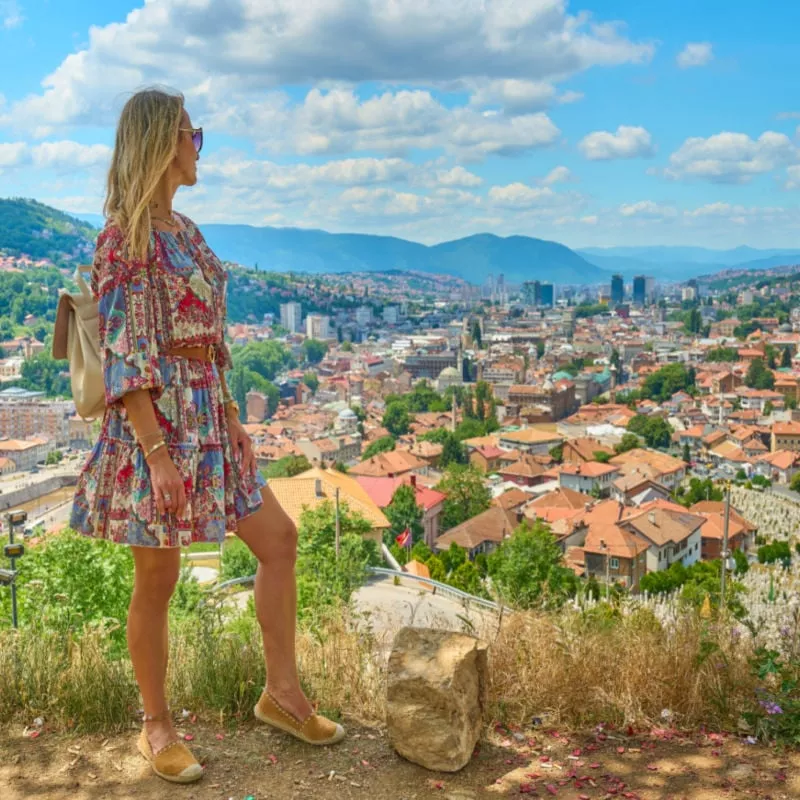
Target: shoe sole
(340,733)
(164,776)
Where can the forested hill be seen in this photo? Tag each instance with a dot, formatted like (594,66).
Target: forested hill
(28,228)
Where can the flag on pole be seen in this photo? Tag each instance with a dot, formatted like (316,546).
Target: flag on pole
(404,539)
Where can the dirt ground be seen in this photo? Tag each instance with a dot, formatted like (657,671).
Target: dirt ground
(253,762)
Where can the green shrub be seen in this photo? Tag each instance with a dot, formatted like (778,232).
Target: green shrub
(238,561)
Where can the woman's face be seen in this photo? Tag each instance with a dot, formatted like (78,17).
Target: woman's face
(185,163)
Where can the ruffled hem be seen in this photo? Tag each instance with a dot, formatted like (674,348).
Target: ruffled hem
(114,498)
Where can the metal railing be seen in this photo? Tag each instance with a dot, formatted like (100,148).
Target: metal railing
(464,598)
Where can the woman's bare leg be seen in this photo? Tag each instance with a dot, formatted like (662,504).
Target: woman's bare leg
(156,573)
(272,536)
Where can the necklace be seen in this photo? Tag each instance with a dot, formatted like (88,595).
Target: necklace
(165,220)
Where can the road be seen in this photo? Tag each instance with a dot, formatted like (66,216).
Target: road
(391,607)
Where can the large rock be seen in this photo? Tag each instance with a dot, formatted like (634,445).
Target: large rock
(436,694)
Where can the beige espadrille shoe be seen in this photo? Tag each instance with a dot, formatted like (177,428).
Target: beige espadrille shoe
(315,729)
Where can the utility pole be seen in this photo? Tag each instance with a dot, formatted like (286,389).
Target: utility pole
(725,543)
(338,523)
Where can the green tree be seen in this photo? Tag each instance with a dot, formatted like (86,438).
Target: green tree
(314,350)
(453,452)
(723,354)
(557,453)
(404,512)
(700,490)
(311,380)
(287,467)
(346,346)
(396,419)
(238,561)
(382,445)
(687,456)
(629,441)
(758,376)
(54,457)
(666,381)
(786,358)
(601,456)
(322,578)
(768,408)
(467,579)
(528,569)
(466,495)
(656,431)
(475,333)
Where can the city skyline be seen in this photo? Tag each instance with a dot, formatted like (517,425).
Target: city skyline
(588,123)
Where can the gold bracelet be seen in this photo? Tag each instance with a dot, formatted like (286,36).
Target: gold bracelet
(149,436)
(155,447)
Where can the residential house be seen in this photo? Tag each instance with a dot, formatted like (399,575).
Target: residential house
(525,471)
(529,440)
(779,467)
(583,449)
(741,532)
(590,477)
(381,491)
(786,436)
(390,465)
(316,486)
(659,467)
(480,534)
(486,458)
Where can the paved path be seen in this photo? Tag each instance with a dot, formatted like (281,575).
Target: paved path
(390,607)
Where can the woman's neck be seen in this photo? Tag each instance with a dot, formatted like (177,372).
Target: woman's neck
(161,202)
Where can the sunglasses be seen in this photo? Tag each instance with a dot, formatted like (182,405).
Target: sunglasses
(197,137)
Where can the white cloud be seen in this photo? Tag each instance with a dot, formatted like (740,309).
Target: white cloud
(784,115)
(338,121)
(569,97)
(557,175)
(591,219)
(540,199)
(792,173)
(61,156)
(627,142)
(10,14)
(647,208)
(458,176)
(730,157)
(514,96)
(252,46)
(695,54)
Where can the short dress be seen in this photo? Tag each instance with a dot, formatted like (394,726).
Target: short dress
(176,298)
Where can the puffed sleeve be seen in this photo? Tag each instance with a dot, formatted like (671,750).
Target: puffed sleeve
(126,313)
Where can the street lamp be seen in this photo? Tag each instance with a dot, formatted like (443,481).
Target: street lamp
(13,550)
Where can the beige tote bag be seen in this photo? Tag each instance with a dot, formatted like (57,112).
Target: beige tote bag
(76,337)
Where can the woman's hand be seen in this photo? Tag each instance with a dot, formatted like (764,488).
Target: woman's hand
(167,483)
(242,446)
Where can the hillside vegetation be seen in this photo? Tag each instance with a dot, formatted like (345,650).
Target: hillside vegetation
(29,228)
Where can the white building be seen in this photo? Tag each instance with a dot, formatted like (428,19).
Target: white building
(318,326)
(291,317)
(391,315)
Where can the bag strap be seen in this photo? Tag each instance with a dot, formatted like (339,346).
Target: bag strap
(82,285)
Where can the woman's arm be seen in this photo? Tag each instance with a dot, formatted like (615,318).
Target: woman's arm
(168,489)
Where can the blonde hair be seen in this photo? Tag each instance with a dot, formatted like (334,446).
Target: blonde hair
(145,144)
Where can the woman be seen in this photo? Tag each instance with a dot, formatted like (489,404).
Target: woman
(173,464)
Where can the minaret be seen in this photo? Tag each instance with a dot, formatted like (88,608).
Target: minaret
(613,392)
(453,421)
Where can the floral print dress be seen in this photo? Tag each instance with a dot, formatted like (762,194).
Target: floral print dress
(176,298)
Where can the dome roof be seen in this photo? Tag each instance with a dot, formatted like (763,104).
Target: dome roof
(347,413)
(449,372)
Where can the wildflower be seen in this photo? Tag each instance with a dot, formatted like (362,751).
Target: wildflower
(770,707)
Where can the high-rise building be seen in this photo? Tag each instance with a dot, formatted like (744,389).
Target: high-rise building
(391,315)
(531,293)
(547,295)
(639,290)
(363,316)
(291,317)
(649,289)
(617,290)
(318,326)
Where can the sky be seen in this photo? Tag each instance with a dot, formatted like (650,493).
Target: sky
(589,122)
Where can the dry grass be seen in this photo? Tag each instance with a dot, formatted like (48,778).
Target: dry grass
(577,668)
(582,669)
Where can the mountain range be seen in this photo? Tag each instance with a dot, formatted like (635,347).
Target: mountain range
(42,232)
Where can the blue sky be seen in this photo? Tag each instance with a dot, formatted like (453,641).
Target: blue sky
(591,123)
